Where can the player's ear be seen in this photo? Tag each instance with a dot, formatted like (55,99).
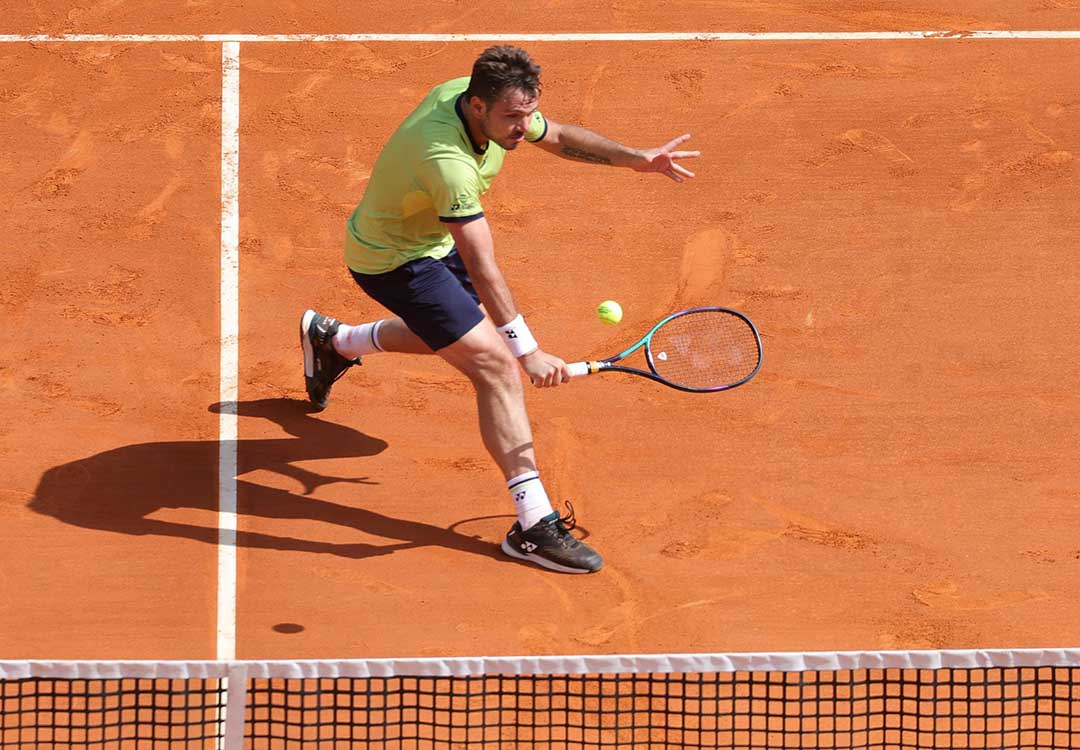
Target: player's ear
(477,105)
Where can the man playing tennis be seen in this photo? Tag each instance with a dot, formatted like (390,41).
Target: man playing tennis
(418,243)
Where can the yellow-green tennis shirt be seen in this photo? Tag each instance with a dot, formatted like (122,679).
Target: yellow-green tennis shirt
(429,173)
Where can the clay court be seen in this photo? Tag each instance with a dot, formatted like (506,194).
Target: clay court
(898,216)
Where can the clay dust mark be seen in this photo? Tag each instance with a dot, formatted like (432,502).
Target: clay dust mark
(875,143)
(261,66)
(721,543)
(689,82)
(1054,159)
(443,384)
(769,293)
(717,541)
(609,618)
(752,103)
(921,634)
(355,578)
(589,94)
(56,184)
(467,464)
(101,406)
(981,119)
(1032,133)
(599,635)
(1047,165)
(705,258)
(811,385)
(947,595)
(185,64)
(312,83)
(59,180)
(1039,556)
(538,637)
(627,610)
(563,443)
(157,206)
(81,153)
(805,528)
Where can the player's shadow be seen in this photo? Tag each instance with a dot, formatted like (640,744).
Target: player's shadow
(133,489)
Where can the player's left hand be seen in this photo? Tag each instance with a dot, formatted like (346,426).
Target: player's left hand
(663,160)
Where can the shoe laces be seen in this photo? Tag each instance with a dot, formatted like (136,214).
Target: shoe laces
(340,373)
(569,521)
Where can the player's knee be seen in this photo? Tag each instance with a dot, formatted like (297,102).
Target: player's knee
(495,367)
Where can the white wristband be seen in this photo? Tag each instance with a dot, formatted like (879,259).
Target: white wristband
(518,337)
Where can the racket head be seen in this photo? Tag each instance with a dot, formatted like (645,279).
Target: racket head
(704,349)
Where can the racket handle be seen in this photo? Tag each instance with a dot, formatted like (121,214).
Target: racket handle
(577,369)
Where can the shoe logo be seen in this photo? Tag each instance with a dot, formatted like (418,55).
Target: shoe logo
(528,546)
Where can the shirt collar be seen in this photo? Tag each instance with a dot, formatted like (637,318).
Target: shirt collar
(477,149)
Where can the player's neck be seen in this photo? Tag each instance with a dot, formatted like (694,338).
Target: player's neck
(472,126)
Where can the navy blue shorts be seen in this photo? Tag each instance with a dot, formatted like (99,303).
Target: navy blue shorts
(435,298)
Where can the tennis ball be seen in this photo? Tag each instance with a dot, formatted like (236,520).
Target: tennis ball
(610,312)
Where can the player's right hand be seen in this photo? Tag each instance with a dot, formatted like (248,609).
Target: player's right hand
(545,370)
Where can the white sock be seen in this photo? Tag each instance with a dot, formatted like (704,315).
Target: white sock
(530,498)
(355,341)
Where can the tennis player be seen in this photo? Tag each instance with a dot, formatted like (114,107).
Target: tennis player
(419,244)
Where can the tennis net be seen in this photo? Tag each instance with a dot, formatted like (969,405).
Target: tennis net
(1026,698)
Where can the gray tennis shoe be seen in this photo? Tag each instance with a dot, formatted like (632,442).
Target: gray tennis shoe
(322,364)
(550,544)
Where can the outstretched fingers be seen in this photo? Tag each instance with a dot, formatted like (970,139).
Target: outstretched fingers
(675,142)
(678,173)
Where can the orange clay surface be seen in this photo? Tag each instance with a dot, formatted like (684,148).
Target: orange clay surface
(899,219)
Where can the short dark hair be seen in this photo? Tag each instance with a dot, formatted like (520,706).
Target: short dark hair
(501,68)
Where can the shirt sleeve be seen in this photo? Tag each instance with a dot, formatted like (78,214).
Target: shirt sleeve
(538,128)
(454,187)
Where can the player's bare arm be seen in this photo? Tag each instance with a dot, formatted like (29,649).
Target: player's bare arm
(477,248)
(581,144)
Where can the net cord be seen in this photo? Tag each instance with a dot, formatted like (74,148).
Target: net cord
(553,665)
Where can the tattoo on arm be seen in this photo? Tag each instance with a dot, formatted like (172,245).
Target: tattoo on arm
(582,155)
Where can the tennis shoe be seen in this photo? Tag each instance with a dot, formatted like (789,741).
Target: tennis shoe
(550,544)
(322,364)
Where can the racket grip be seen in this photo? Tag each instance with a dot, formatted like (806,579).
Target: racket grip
(577,369)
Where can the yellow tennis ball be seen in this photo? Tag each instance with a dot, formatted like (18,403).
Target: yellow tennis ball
(610,312)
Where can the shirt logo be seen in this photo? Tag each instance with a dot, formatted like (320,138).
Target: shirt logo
(463,203)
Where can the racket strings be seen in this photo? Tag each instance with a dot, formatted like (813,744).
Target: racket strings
(706,349)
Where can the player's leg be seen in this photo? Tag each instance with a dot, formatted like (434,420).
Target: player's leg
(331,347)
(539,535)
(481,356)
(439,310)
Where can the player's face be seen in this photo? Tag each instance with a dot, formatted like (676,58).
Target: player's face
(506,121)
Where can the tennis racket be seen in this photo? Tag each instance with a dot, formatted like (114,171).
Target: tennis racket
(700,350)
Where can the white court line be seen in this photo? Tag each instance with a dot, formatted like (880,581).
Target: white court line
(779,36)
(230,337)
